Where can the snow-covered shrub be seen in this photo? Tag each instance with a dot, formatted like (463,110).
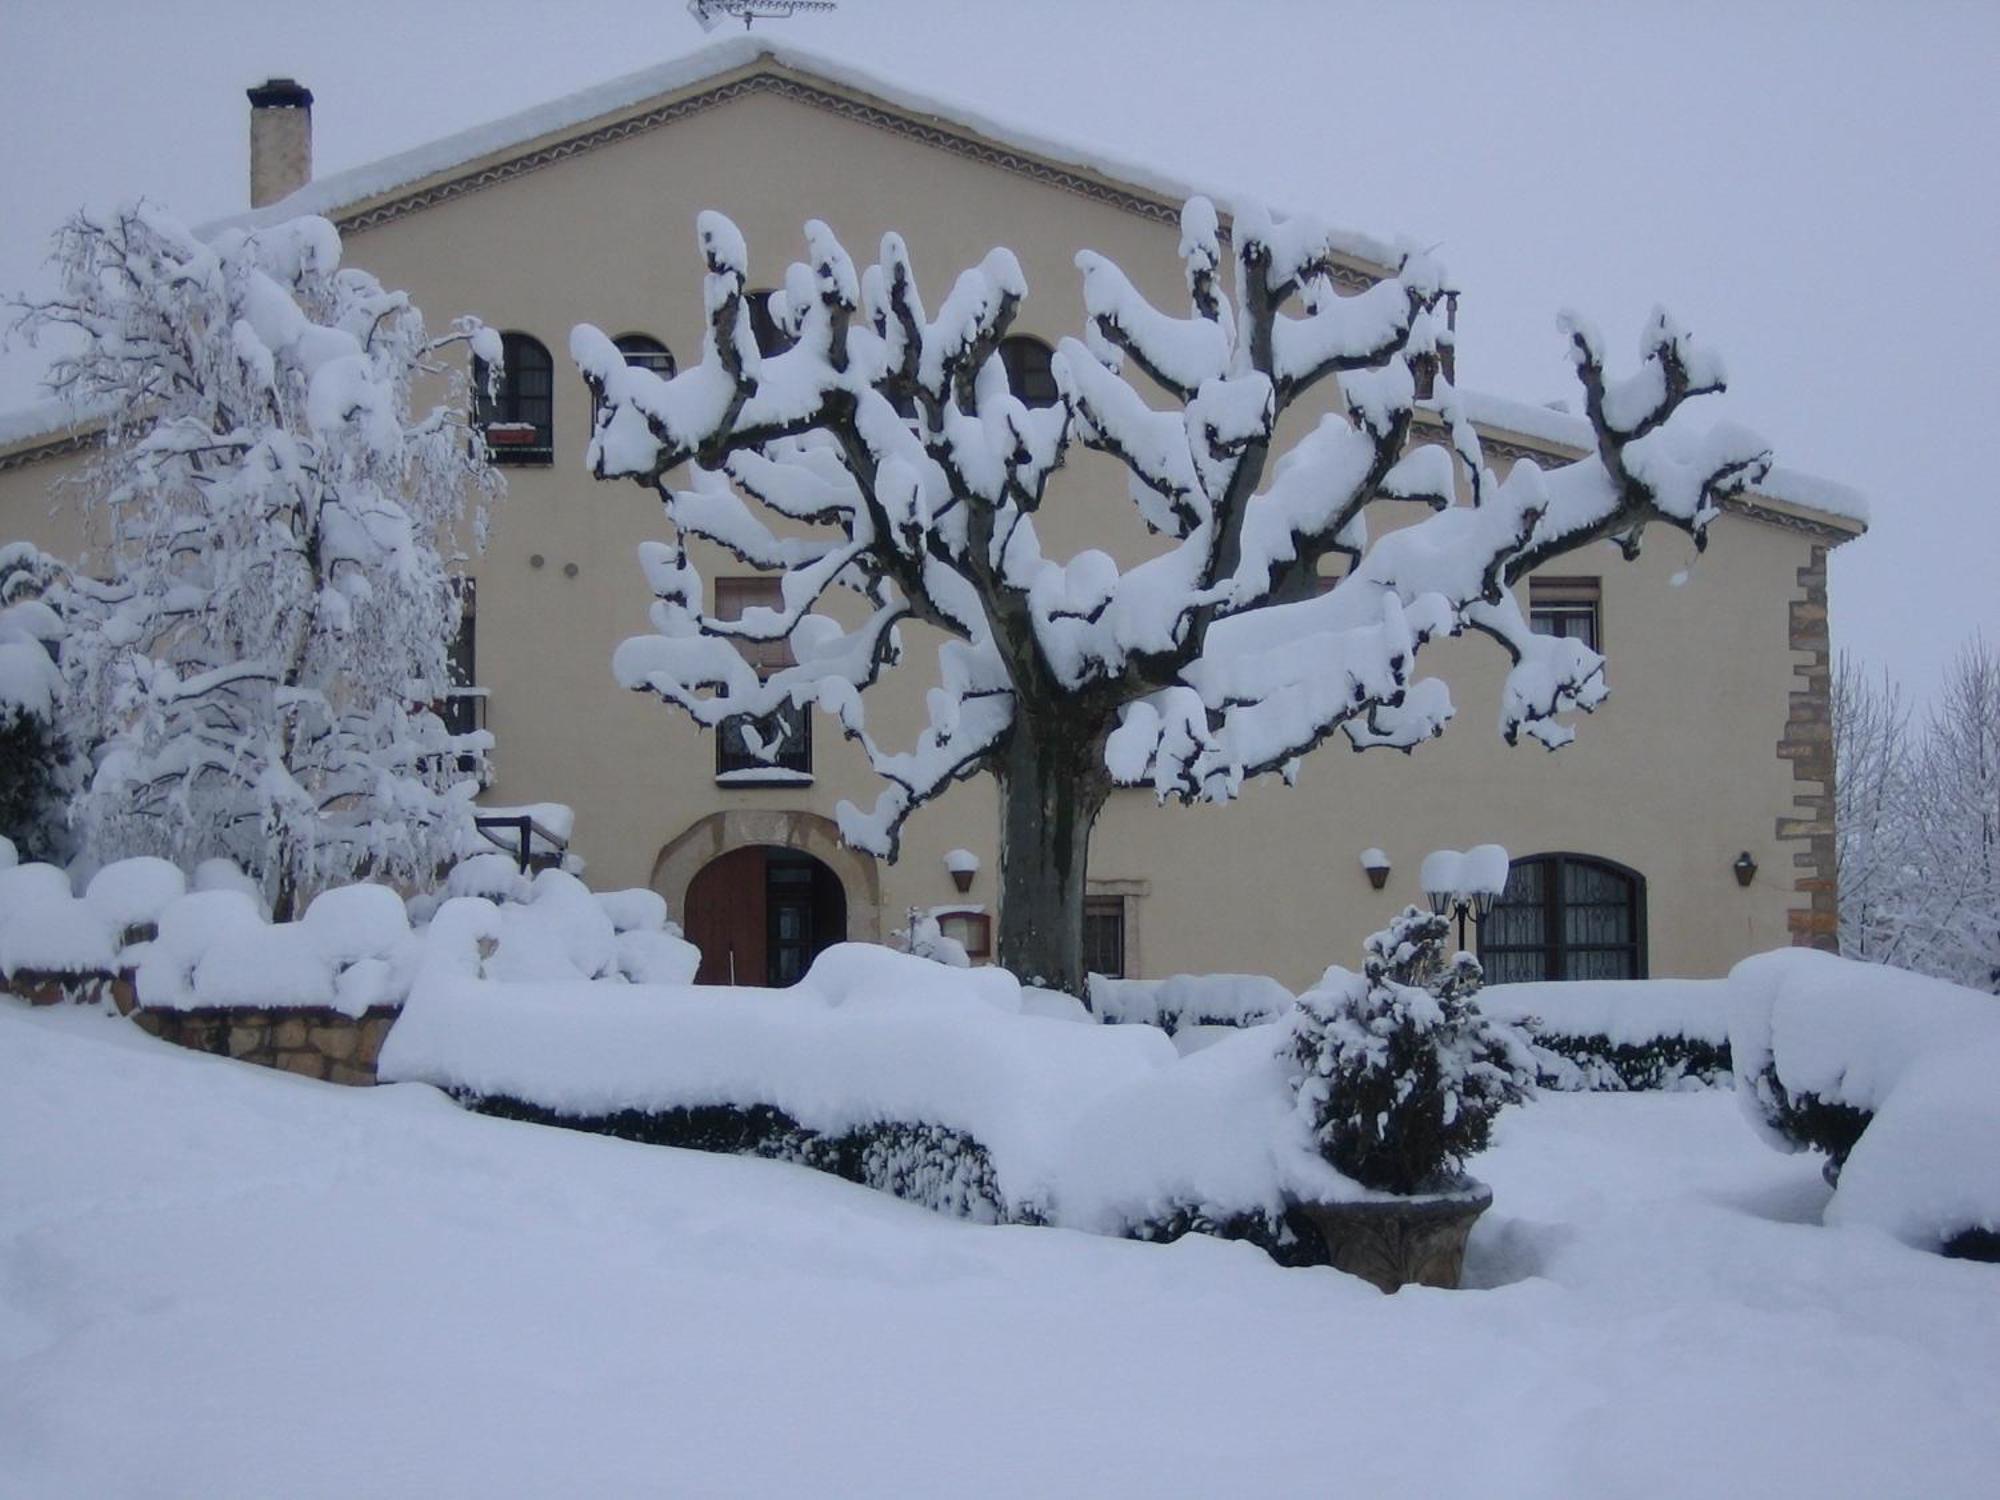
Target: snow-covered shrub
(131,893)
(251,678)
(1186,1000)
(1399,1074)
(36,769)
(1612,1036)
(1890,1074)
(1820,1043)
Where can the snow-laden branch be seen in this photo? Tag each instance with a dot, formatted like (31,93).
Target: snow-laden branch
(881,453)
(254,675)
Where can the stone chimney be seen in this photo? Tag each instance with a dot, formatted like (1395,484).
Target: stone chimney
(281,140)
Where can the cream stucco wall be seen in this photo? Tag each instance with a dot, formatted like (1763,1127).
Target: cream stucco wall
(1675,776)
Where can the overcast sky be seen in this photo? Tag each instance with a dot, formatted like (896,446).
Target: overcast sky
(1809,186)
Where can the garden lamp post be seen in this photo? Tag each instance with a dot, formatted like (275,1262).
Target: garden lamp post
(1464,882)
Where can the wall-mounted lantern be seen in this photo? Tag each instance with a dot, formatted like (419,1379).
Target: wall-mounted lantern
(1745,868)
(1376,863)
(963,864)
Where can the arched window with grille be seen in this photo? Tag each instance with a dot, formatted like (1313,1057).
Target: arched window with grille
(1029,375)
(643,351)
(517,413)
(1566,916)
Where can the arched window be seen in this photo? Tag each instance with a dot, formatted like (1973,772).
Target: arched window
(518,415)
(644,352)
(1566,916)
(1029,376)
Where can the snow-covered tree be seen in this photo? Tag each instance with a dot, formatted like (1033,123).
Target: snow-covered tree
(1956,925)
(272,608)
(1875,814)
(35,754)
(891,460)
(1399,1075)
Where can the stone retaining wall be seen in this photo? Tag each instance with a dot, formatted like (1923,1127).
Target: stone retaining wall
(311,1041)
(314,1043)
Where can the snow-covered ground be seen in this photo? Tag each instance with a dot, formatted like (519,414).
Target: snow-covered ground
(223,1281)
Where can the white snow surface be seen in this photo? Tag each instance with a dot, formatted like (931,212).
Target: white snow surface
(52,932)
(1917,1053)
(1654,1311)
(1184,1000)
(131,892)
(1628,1012)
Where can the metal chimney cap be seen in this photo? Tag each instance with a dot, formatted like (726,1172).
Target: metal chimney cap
(280,93)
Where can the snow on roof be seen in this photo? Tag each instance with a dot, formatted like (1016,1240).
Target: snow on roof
(328,195)
(331,194)
(1567,429)
(1812,492)
(39,419)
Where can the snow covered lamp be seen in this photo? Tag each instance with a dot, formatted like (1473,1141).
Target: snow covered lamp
(1376,863)
(963,864)
(1745,868)
(1459,883)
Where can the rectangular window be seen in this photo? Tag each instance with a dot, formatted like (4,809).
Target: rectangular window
(973,930)
(1104,936)
(789,728)
(463,705)
(1569,607)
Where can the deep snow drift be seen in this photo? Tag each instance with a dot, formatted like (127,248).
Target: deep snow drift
(220,1280)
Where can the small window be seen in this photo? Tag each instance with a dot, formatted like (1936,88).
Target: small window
(1566,916)
(518,415)
(1029,373)
(789,727)
(1104,936)
(973,930)
(771,339)
(1570,607)
(644,352)
(462,709)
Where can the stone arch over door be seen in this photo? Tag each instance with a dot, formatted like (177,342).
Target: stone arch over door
(741,828)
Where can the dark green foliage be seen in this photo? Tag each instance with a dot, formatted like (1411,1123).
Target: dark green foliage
(1596,1064)
(33,754)
(1287,1238)
(1810,1122)
(1974,1244)
(940,1168)
(1400,1072)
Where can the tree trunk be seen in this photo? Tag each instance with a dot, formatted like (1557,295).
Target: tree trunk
(1052,787)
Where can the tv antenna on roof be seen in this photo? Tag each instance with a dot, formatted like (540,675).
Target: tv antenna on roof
(710,12)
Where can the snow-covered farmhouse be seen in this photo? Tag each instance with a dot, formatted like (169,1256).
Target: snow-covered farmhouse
(1687,826)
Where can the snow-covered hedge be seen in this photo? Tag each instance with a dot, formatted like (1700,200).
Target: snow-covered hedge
(1617,1035)
(937,1083)
(1891,1074)
(213,946)
(1187,1000)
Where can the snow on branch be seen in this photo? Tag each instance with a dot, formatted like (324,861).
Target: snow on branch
(282,521)
(881,453)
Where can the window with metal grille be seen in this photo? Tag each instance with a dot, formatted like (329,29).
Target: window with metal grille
(1029,373)
(645,352)
(789,728)
(1571,607)
(517,413)
(1104,936)
(1566,916)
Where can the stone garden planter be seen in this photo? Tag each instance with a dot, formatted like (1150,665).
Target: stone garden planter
(1394,1242)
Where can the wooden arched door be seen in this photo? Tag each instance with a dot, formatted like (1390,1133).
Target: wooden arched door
(760,915)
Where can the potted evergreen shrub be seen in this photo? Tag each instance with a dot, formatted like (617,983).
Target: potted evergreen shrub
(1399,1076)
